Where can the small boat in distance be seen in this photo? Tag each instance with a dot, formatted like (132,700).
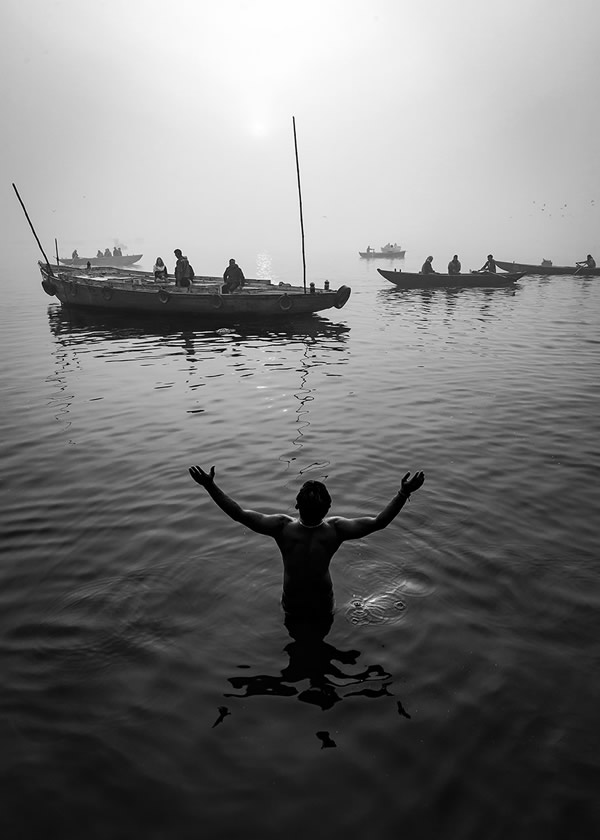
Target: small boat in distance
(388,252)
(120,290)
(544,268)
(476,279)
(117,261)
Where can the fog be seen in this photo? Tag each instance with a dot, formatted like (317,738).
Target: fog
(469,126)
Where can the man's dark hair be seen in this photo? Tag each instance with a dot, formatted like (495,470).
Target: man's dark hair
(177,252)
(313,500)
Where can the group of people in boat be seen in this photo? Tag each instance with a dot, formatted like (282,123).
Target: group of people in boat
(388,247)
(233,276)
(455,267)
(116,252)
(489,266)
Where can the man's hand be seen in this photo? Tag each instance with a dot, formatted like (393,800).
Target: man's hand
(409,485)
(203,479)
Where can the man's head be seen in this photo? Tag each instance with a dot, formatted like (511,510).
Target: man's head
(177,252)
(232,262)
(313,501)
(490,257)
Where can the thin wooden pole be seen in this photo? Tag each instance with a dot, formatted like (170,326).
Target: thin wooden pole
(300,200)
(33,230)
(56,249)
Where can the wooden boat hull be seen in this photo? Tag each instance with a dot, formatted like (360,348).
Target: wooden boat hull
(136,292)
(414,280)
(382,255)
(528,268)
(130,259)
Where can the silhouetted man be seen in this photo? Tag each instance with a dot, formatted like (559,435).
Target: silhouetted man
(454,265)
(307,543)
(233,277)
(489,265)
(183,270)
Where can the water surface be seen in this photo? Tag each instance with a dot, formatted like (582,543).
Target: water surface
(150,686)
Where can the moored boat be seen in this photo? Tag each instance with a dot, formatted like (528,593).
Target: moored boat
(127,259)
(119,290)
(476,279)
(544,268)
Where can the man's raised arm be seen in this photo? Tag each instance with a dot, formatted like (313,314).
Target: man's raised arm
(259,522)
(354,529)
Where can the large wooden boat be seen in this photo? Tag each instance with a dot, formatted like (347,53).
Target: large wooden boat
(119,290)
(128,259)
(415,280)
(544,268)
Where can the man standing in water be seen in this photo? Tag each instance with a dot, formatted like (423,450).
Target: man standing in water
(308,542)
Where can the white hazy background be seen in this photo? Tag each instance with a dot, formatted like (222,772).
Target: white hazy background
(466,126)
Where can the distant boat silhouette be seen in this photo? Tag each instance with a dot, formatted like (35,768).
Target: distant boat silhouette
(129,259)
(389,252)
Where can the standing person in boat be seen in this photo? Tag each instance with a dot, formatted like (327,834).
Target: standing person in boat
(454,265)
(308,542)
(588,262)
(233,277)
(427,267)
(489,265)
(184,273)
(160,269)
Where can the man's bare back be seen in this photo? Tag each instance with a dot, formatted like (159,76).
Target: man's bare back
(308,543)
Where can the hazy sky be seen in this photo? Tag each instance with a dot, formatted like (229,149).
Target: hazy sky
(440,124)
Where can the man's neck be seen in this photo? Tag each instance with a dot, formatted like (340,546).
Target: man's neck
(306,525)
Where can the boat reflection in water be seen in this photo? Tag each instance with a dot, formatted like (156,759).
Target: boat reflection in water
(79,325)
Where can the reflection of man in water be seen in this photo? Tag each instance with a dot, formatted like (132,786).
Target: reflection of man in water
(308,542)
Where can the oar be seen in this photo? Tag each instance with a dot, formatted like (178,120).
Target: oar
(33,231)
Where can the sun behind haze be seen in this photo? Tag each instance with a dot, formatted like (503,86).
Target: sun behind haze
(451,126)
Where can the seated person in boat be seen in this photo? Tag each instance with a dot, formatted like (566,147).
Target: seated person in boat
(160,269)
(454,265)
(107,252)
(489,265)
(184,273)
(233,277)
(99,253)
(308,542)
(75,255)
(427,267)
(588,262)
